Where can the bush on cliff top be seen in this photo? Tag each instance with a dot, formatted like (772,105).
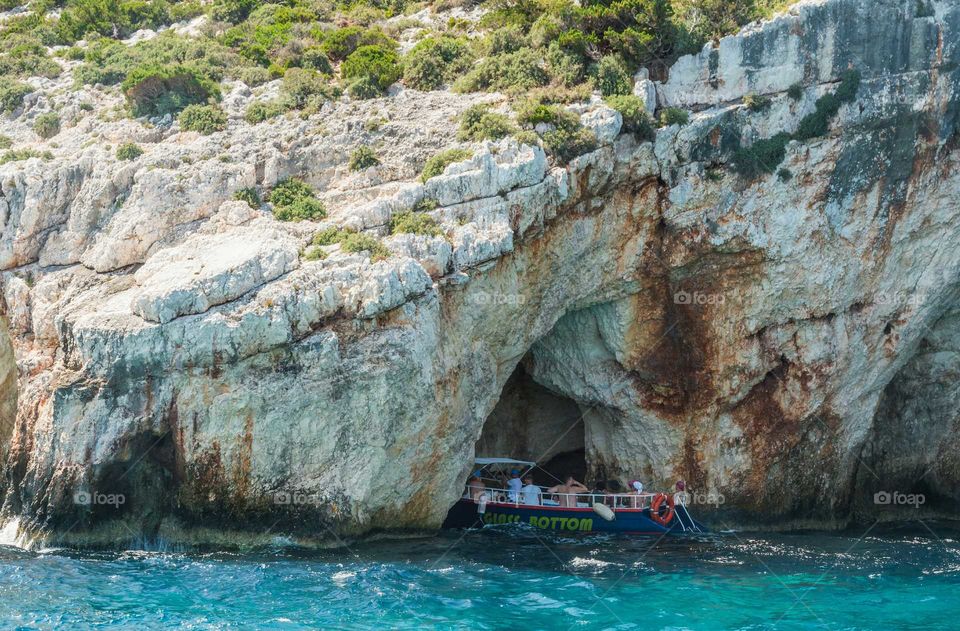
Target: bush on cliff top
(161,90)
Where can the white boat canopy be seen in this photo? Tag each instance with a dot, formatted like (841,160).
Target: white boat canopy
(486,461)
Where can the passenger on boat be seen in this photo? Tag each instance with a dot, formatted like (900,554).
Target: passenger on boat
(475,487)
(636,488)
(515,485)
(680,497)
(530,492)
(567,491)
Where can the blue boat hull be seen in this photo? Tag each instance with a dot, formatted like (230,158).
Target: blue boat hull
(465,514)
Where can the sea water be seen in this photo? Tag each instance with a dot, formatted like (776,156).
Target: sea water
(505,577)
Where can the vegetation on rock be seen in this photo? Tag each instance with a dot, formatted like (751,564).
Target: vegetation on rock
(47,125)
(295,200)
(352,242)
(129,151)
(413,222)
(363,157)
(479,123)
(636,120)
(437,164)
(250,196)
(205,119)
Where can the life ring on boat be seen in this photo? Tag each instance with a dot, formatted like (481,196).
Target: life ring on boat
(662,518)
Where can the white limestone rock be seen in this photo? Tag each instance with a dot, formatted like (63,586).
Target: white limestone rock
(209,270)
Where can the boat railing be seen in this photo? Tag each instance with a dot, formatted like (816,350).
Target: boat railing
(582,499)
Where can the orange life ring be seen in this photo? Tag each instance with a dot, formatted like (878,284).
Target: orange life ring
(655,505)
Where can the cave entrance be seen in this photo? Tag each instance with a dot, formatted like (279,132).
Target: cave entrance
(531,422)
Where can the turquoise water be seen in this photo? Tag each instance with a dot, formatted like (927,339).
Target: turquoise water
(504,577)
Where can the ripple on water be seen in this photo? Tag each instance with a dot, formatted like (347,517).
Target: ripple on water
(511,578)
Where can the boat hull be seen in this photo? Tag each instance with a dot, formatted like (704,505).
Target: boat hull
(466,514)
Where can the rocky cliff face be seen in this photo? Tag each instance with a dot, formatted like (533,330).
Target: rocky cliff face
(787,341)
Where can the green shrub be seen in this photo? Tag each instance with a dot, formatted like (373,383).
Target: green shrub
(233,11)
(129,151)
(111,18)
(357,243)
(435,61)
(294,200)
(568,139)
(364,88)
(479,123)
(315,254)
(254,75)
(250,196)
(315,59)
(352,242)
(784,174)
(511,72)
(377,63)
(304,209)
(328,236)
(437,164)
(205,119)
(363,157)
(636,120)
(817,123)
(849,84)
(425,205)
(12,94)
(674,116)
(5,141)
(110,62)
(795,91)
(24,55)
(414,223)
(259,111)
(301,86)
(509,39)
(47,125)
(613,77)
(763,156)
(15,155)
(161,90)
(756,102)
(565,67)
(340,43)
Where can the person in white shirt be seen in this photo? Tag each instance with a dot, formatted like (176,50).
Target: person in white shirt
(530,492)
(636,487)
(515,486)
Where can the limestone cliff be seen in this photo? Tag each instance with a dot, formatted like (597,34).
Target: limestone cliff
(787,340)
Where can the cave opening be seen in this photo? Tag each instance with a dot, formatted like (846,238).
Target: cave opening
(531,422)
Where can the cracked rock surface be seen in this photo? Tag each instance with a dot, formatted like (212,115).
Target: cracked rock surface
(774,340)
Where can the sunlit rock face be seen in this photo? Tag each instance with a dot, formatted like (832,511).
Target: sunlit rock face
(775,341)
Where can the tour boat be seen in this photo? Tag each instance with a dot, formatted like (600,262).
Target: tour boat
(627,513)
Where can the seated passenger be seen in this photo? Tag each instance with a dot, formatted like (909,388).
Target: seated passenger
(530,492)
(568,490)
(515,486)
